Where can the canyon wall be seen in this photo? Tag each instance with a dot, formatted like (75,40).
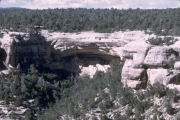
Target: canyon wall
(69,53)
(150,64)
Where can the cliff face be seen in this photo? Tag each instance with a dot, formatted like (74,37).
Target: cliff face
(60,55)
(67,53)
(146,63)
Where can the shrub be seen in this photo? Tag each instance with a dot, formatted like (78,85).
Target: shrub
(162,41)
(1,35)
(155,41)
(29,115)
(170,110)
(119,117)
(169,40)
(80,98)
(104,117)
(19,87)
(84,91)
(106,104)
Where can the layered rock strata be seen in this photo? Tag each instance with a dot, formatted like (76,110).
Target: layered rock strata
(154,64)
(67,53)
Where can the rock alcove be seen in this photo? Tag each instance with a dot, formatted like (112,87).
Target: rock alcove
(35,49)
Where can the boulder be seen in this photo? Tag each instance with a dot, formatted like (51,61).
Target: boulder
(130,73)
(134,84)
(160,57)
(160,75)
(177,65)
(138,59)
(174,87)
(131,48)
(176,46)
(175,79)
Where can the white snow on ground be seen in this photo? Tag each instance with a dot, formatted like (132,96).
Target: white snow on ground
(92,69)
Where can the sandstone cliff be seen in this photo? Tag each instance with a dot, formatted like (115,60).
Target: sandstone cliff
(73,52)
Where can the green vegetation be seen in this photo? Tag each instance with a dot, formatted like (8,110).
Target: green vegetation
(43,89)
(52,98)
(102,91)
(162,41)
(165,21)
(1,35)
(84,91)
(48,98)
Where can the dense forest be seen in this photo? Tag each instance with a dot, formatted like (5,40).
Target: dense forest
(165,21)
(104,95)
(47,97)
(32,90)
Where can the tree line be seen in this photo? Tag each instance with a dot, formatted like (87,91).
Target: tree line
(160,21)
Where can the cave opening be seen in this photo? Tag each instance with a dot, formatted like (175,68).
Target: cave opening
(38,51)
(2,59)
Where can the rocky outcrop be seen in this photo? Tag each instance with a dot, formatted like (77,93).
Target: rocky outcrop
(60,55)
(161,57)
(67,53)
(134,69)
(131,75)
(158,75)
(157,64)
